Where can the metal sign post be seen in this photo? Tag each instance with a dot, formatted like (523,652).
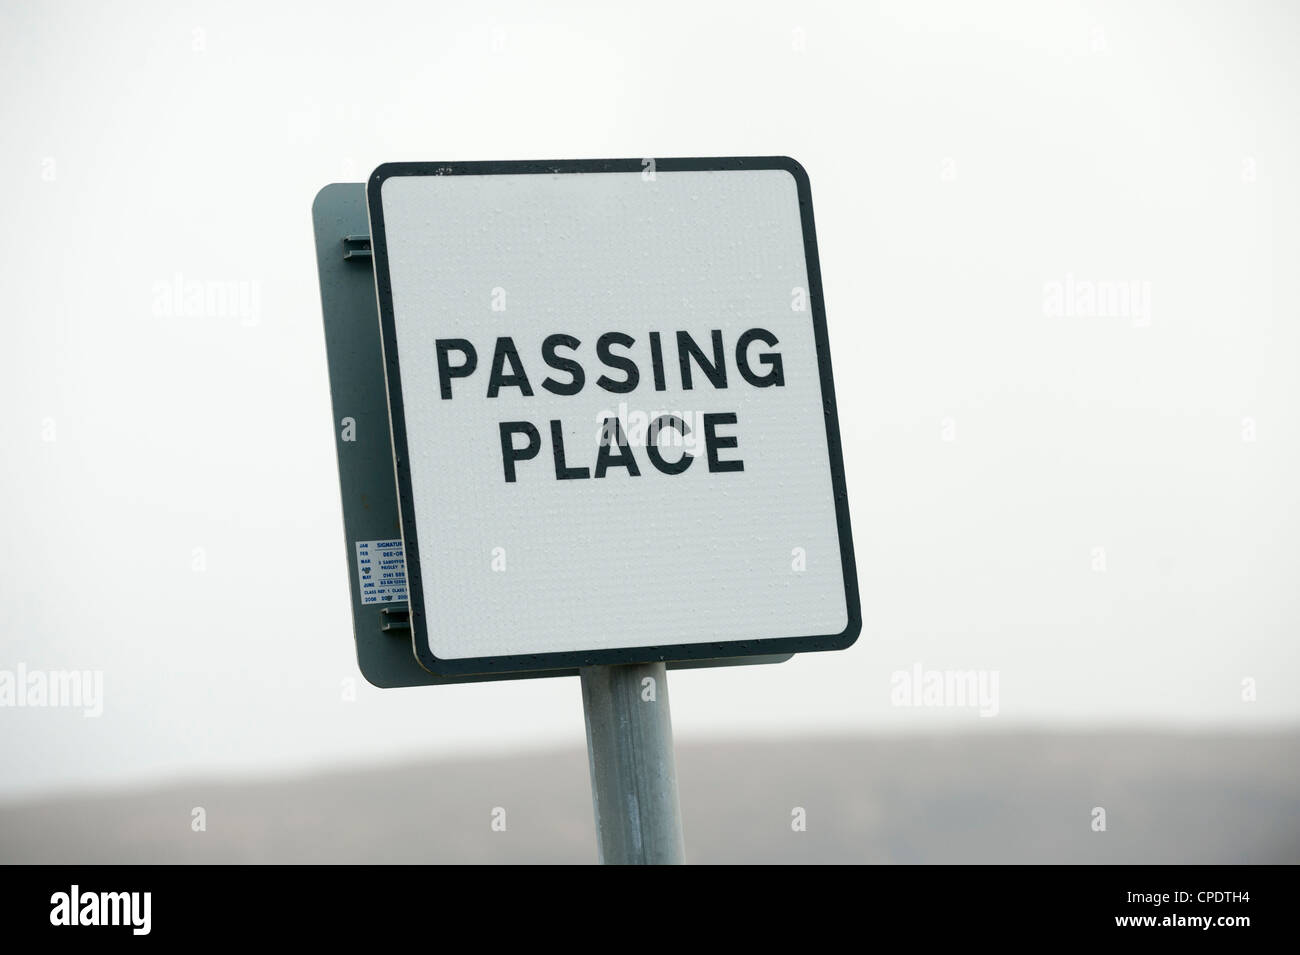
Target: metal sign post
(633,772)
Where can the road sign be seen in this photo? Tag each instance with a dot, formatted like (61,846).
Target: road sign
(612,412)
(371,522)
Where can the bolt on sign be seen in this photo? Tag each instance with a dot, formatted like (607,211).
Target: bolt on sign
(612,411)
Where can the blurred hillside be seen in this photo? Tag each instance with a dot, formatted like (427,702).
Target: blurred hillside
(998,798)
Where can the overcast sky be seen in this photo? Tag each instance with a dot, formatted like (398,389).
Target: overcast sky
(1097,502)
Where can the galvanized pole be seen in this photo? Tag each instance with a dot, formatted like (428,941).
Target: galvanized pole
(633,772)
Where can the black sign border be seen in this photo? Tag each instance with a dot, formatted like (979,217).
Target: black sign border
(397,421)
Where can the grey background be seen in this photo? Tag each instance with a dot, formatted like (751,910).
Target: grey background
(964,160)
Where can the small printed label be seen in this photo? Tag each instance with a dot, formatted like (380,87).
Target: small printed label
(381,567)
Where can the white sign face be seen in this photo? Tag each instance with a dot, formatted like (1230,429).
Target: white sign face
(612,411)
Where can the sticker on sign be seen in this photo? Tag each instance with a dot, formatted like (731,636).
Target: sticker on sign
(381,571)
(612,408)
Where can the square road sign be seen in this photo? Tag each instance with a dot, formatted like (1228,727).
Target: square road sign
(612,411)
